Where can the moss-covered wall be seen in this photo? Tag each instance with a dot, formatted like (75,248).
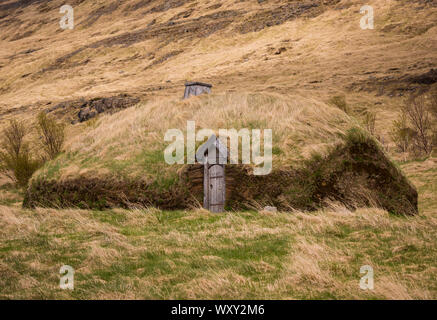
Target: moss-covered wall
(356,173)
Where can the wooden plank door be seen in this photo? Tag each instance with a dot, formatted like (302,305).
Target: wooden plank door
(206,184)
(217,188)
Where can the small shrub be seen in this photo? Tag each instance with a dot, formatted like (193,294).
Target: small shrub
(24,167)
(417,112)
(433,110)
(416,127)
(51,135)
(15,158)
(13,138)
(401,134)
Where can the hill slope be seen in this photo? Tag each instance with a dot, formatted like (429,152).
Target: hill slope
(152,47)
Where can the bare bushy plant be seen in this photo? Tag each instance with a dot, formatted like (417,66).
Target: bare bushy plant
(13,138)
(51,135)
(415,129)
(417,112)
(433,110)
(401,134)
(15,158)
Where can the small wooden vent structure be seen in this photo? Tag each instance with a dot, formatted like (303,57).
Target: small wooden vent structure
(196,88)
(214,155)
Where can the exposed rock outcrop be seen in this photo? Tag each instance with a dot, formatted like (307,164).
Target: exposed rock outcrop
(82,110)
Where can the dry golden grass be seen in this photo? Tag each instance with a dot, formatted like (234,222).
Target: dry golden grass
(149,253)
(300,127)
(330,48)
(423,174)
(196,255)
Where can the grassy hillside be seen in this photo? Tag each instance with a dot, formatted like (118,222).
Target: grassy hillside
(152,47)
(131,143)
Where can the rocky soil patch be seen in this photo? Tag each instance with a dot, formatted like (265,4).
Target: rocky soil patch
(397,84)
(82,110)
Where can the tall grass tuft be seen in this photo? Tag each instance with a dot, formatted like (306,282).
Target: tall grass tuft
(340,102)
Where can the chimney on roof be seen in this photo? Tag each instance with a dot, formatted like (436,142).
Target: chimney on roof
(196,88)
